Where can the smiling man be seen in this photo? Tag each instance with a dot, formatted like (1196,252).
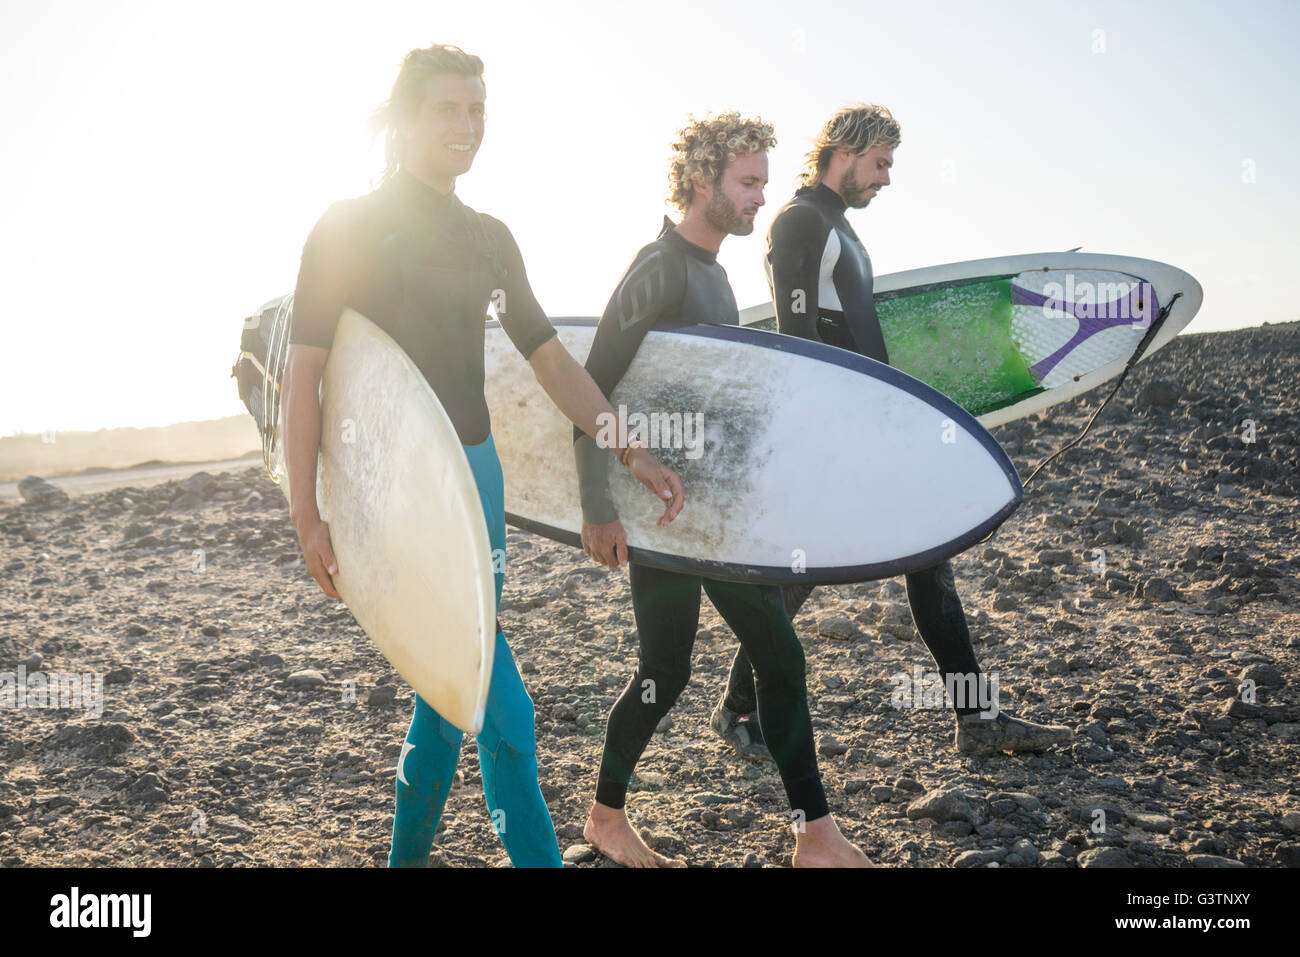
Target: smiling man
(423,266)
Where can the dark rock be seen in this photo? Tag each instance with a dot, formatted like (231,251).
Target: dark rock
(1105,857)
(838,626)
(942,805)
(1159,589)
(36,491)
(1288,855)
(1157,393)
(579,854)
(1264,675)
(307,678)
(831,747)
(1126,534)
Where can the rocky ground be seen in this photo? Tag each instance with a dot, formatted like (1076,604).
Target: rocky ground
(1145,587)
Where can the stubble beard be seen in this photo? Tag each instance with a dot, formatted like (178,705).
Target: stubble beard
(855,196)
(723,216)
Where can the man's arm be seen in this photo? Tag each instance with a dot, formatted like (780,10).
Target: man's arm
(328,268)
(569,386)
(574,392)
(650,290)
(795,245)
(301,396)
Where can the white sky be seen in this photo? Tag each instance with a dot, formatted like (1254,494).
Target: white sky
(163,162)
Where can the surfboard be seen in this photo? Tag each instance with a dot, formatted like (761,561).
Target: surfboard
(407,527)
(1012,336)
(800,462)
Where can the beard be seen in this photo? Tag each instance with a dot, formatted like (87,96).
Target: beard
(723,216)
(855,194)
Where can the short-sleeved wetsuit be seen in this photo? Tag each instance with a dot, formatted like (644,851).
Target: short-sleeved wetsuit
(423,267)
(674,279)
(820,277)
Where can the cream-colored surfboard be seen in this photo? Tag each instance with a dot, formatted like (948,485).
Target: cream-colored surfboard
(414,559)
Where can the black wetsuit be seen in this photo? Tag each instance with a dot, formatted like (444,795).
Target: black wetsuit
(423,267)
(675,279)
(821,282)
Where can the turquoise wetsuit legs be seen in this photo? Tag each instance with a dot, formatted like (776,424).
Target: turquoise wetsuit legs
(507,747)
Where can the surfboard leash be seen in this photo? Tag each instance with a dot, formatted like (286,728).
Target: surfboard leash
(1138,353)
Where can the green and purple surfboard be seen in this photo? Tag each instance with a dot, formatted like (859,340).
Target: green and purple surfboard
(1008,337)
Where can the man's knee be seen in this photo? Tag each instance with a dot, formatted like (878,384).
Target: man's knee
(660,687)
(511,723)
(786,668)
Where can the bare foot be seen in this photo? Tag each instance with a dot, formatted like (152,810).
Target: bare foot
(609,831)
(820,844)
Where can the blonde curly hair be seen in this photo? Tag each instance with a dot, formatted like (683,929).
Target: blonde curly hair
(855,128)
(703,148)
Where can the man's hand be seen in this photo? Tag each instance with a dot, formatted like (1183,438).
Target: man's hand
(314,537)
(606,543)
(658,478)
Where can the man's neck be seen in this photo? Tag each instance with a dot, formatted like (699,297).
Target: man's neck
(834,186)
(439,182)
(695,229)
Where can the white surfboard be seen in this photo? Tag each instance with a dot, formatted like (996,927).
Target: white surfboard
(800,462)
(407,527)
(1015,335)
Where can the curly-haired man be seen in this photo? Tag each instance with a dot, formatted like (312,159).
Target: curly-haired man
(717,174)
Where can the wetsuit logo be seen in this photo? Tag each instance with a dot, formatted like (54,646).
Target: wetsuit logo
(643,286)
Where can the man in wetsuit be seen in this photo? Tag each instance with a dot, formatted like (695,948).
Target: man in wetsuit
(423,266)
(821,282)
(718,171)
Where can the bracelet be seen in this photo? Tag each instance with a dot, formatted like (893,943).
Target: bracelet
(634,444)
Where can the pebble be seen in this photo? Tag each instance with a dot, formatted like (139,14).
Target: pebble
(1264,675)
(942,805)
(1105,857)
(36,491)
(831,747)
(838,626)
(1159,589)
(1288,855)
(579,854)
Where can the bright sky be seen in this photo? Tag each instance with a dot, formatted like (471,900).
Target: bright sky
(163,162)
